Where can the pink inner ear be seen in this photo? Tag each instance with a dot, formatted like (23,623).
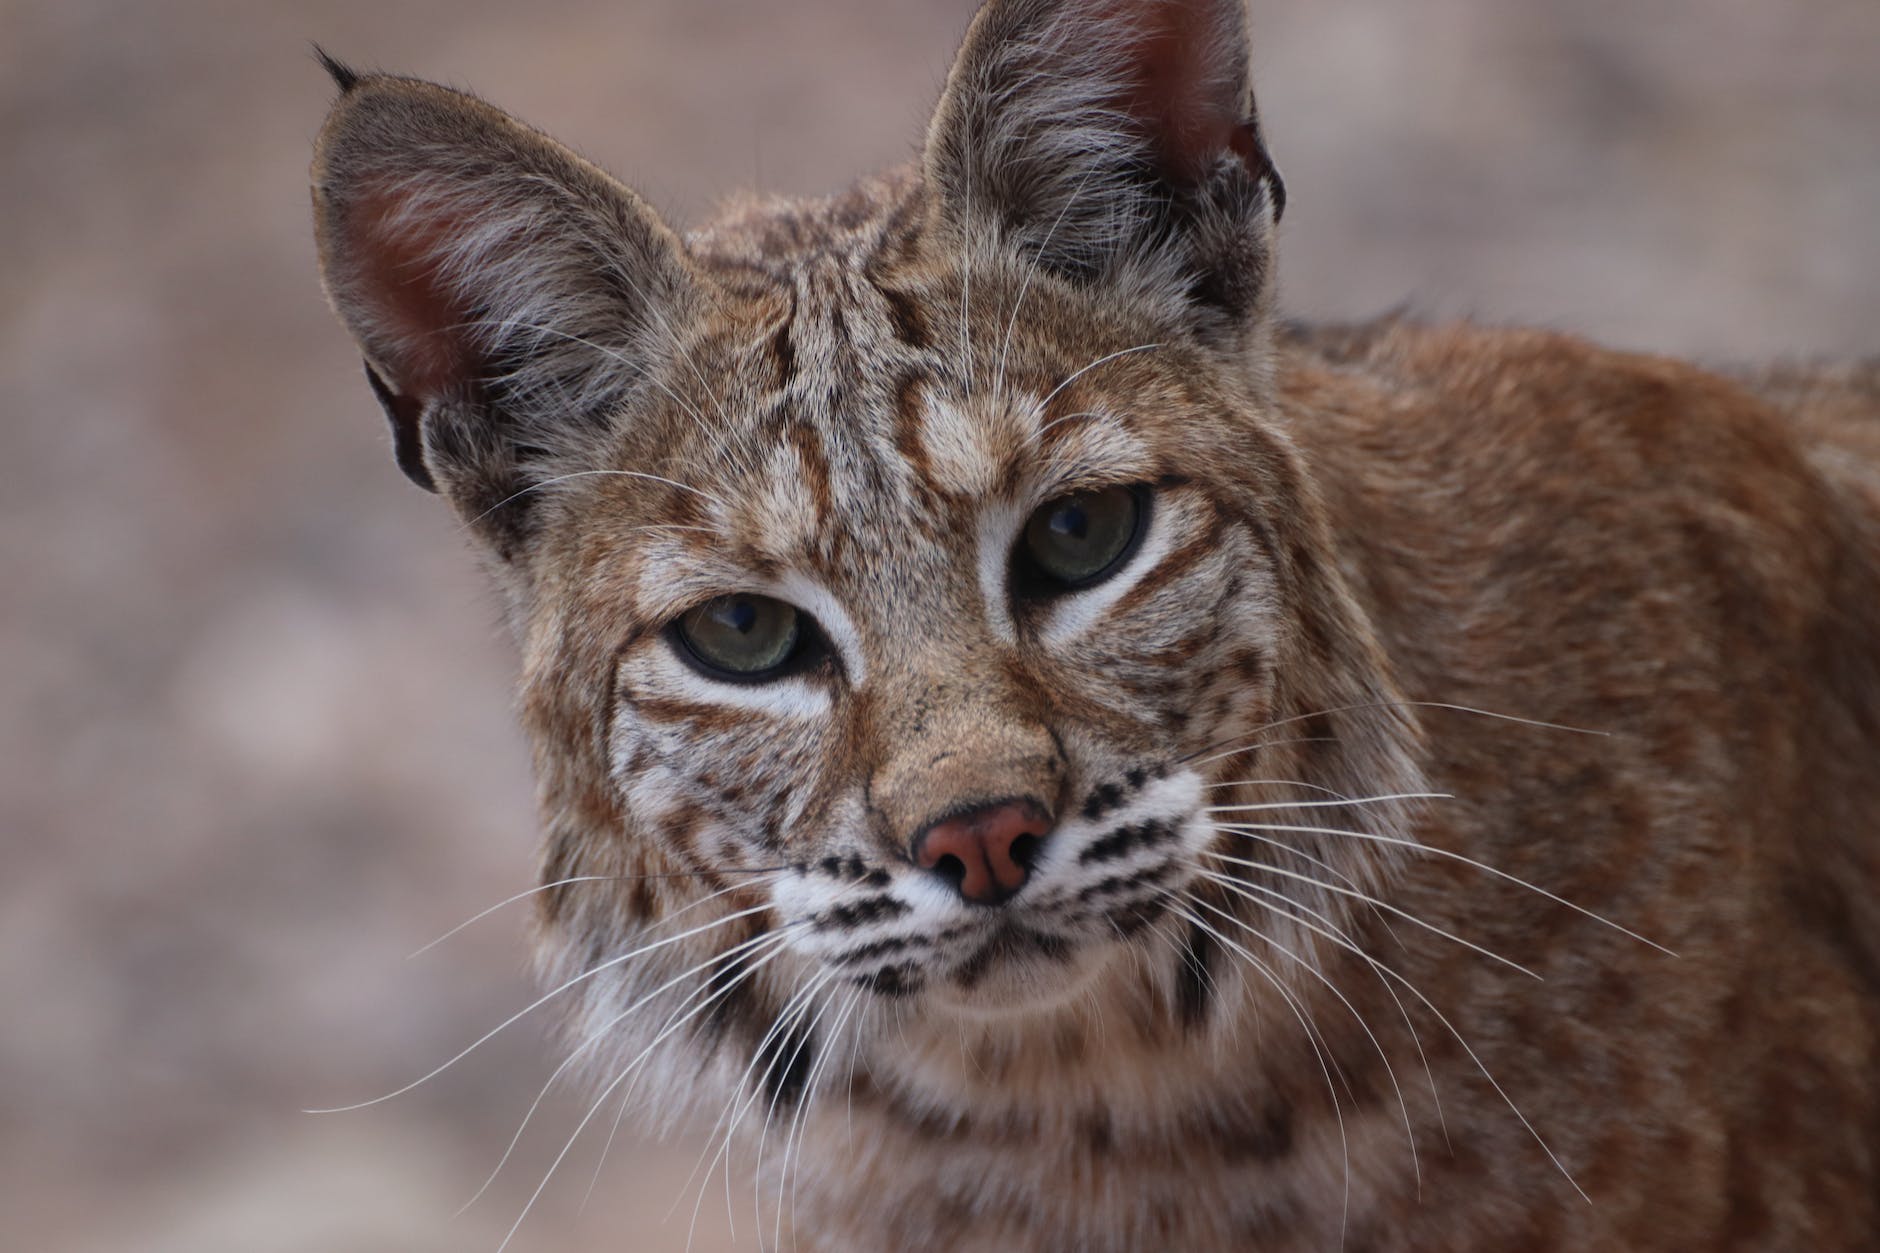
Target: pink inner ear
(400,267)
(1186,89)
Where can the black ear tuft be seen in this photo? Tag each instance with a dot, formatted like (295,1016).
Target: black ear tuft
(343,75)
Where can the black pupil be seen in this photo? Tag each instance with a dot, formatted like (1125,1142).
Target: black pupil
(739,615)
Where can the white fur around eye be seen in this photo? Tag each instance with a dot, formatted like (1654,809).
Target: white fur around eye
(663,673)
(819,603)
(999,525)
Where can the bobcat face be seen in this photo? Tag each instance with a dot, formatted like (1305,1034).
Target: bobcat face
(910,585)
(895,662)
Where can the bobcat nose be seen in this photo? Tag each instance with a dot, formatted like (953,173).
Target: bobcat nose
(986,852)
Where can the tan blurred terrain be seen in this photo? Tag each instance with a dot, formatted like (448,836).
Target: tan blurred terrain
(255,742)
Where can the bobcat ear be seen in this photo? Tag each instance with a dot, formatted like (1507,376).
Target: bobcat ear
(508,295)
(1117,140)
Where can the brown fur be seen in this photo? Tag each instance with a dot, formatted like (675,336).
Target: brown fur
(1620,613)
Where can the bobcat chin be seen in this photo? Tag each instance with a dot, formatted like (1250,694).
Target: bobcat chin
(1038,753)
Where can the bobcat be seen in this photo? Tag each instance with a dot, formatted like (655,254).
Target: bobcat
(1038,753)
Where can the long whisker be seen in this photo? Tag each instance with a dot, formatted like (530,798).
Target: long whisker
(1351,800)
(1382,969)
(600,1100)
(734,1112)
(737,1088)
(584,474)
(799,1123)
(855,1048)
(1266,972)
(1406,915)
(1255,745)
(1072,377)
(600,878)
(540,1001)
(1301,783)
(770,1110)
(1399,841)
(1241,889)
(789,1131)
(1312,969)
(600,1033)
(1389,704)
(626,1094)
(1324,865)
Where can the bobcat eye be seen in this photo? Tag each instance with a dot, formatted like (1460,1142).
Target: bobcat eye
(739,637)
(1077,540)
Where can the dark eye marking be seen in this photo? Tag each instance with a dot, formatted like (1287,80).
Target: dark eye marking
(1079,540)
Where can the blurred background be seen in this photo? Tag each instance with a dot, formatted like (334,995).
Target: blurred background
(255,737)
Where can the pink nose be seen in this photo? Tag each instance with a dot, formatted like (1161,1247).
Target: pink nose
(986,852)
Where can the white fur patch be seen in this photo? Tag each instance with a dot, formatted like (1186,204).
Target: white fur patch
(820,603)
(999,523)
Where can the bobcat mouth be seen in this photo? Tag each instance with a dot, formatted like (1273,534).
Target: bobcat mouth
(1012,944)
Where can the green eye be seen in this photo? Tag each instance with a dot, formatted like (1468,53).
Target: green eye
(1078,540)
(743,637)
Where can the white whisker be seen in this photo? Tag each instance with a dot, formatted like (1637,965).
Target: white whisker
(1077,374)
(1382,969)
(1312,1037)
(581,878)
(716,996)
(600,1100)
(1390,704)
(1242,890)
(587,474)
(1312,969)
(729,1120)
(1406,915)
(1353,800)
(798,1124)
(1310,787)
(536,1004)
(1324,865)
(803,1002)
(1399,841)
(595,1037)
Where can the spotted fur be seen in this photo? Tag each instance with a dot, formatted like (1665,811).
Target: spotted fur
(1460,679)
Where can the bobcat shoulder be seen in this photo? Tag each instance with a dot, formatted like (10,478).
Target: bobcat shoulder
(1037,752)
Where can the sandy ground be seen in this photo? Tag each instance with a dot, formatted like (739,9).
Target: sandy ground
(255,742)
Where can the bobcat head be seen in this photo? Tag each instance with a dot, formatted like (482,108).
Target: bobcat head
(910,585)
